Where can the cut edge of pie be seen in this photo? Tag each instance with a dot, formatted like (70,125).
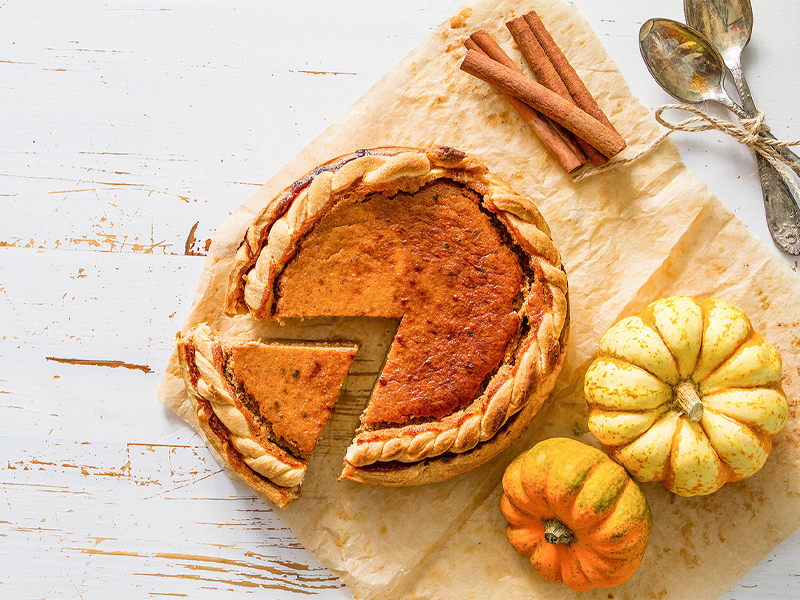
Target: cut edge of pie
(262,404)
(441,448)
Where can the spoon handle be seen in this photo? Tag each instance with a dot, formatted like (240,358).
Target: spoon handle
(780,204)
(741,86)
(750,107)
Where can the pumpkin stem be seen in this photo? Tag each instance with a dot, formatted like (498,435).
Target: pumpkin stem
(555,532)
(687,400)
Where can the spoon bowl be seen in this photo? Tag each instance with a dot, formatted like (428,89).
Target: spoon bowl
(728,25)
(684,63)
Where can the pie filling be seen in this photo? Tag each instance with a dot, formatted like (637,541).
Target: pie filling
(435,261)
(289,390)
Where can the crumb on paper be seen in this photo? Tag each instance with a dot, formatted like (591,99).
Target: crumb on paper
(460,20)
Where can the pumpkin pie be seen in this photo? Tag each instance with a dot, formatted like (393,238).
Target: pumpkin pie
(262,405)
(433,239)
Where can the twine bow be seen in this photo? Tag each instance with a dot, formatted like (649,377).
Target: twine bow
(749,132)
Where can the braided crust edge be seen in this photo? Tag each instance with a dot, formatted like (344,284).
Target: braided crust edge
(450,465)
(269,244)
(509,391)
(200,355)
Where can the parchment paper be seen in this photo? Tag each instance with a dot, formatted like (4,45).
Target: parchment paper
(627,237)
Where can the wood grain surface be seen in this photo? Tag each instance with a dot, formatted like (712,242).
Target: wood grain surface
(130,130)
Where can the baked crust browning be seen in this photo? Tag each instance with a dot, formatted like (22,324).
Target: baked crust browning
(262,406)
(430,259)
(468,432)
(444,466)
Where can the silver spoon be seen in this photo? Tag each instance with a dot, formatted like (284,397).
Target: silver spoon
(728,25)
(689,68)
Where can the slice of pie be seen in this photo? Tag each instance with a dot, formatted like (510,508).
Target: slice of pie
(262,405)
(433,239)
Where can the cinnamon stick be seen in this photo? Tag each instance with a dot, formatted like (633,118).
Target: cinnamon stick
(484,41)
(541,126)
(546,73)
(547,102)
(577,89)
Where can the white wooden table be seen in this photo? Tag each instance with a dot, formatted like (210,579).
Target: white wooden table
(128,132)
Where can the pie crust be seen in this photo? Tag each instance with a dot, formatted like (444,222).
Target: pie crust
(420,449)
(262,405)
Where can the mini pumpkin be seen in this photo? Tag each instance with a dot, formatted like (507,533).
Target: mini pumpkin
(576,514)
(686,393)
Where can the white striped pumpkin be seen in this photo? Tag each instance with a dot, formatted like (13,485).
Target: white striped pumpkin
(686,393)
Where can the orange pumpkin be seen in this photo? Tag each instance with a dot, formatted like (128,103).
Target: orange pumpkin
(576,514)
